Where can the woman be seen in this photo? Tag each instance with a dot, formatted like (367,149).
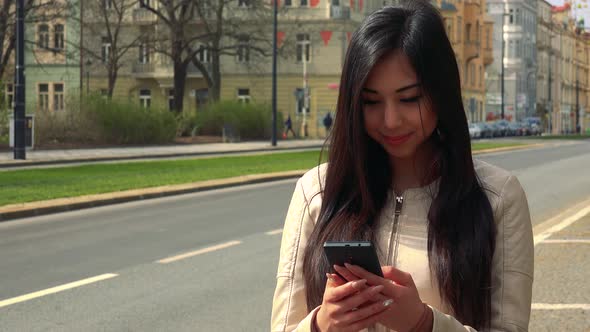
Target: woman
(454,236)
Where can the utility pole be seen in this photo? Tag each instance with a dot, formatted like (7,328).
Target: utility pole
(19,80)
(305,90)
(577,104)
(549,102)
(502,72)
(274,75)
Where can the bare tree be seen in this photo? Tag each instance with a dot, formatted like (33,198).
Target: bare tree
(107,21)
(218,27)
(35,11)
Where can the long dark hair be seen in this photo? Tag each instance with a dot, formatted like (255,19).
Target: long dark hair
(461,230)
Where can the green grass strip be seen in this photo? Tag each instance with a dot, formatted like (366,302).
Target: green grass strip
(21,186)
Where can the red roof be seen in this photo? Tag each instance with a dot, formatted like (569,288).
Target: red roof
(558,9)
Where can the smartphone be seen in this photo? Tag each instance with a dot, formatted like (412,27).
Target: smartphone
(361,253)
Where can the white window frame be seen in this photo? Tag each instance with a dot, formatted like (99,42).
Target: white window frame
(107,4)
(303,47)
(59,37)
(145,99)
(243,50)
(43,36)
(203,53)
(9,95)
(106,49)
(243,95)
(144,53)
(43,97)
(58,97)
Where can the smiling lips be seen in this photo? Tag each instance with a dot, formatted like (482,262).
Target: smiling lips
(397,140)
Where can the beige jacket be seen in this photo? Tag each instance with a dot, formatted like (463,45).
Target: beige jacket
(406,249)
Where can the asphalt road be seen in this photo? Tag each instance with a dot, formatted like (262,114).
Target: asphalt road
(230,289)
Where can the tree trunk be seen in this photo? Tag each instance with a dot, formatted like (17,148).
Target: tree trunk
(215,87)
(112,80)
(179,84)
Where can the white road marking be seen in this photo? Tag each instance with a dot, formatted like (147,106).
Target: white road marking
(198,252)
(56,289)
(565,241)
(276,231)
(560,306)
(565,223)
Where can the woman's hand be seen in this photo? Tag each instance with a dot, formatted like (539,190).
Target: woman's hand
(349,306)
(407,310)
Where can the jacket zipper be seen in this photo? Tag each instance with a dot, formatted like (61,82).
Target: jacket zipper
(399,203)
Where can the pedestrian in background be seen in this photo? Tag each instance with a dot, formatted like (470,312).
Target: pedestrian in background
(453,235)
(288,127)
(328,122)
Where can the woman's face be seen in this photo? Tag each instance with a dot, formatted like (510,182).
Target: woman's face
(396,113)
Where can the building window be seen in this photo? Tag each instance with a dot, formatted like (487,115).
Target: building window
(244,96)
(288,3)
(144,53)
(43,97)
(243,48)
(58,37)
(204,54)
(171,104)
(43,36)
(487,38)
(145,98)
(459,30)
(303,47)
(449,26)
(9,96)
(511,16)
(304,3)
(335,3)
(106,50)
(481,78)
(477,36)
(108,4)
(468,33)
(144,4)
(58,97)
(244,3)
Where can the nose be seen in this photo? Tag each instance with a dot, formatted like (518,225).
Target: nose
(391,117)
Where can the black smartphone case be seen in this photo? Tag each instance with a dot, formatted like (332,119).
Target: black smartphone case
(361,253)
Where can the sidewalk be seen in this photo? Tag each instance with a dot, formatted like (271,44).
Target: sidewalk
(49,157)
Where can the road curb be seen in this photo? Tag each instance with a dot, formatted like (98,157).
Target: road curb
(25,210)
(151,156)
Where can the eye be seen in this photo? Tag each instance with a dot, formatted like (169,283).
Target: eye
(411,100)
(369,102)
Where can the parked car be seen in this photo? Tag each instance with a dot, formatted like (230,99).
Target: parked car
(502,127)
(514,129)
(474,130)
(486,130)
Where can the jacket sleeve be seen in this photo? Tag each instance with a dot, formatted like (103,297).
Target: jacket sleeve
(289,309)
(513,266)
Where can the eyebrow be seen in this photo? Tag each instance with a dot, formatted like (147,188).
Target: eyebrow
(398,90)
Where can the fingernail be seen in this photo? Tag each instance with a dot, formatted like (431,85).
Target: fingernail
(329,276)
(387,302)
(378,288)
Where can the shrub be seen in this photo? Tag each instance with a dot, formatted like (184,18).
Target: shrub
(248,121)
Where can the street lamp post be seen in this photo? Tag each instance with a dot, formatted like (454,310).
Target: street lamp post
(19,80)
(274,75)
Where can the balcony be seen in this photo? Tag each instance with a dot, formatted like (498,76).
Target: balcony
(339,13)
(142,15)
(472,10)
(163,70)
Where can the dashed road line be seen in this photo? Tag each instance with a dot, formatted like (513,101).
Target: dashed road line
(566,241)
(560,306)
(56,289)
(198,252)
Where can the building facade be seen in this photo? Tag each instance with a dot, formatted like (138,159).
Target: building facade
(516,28)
